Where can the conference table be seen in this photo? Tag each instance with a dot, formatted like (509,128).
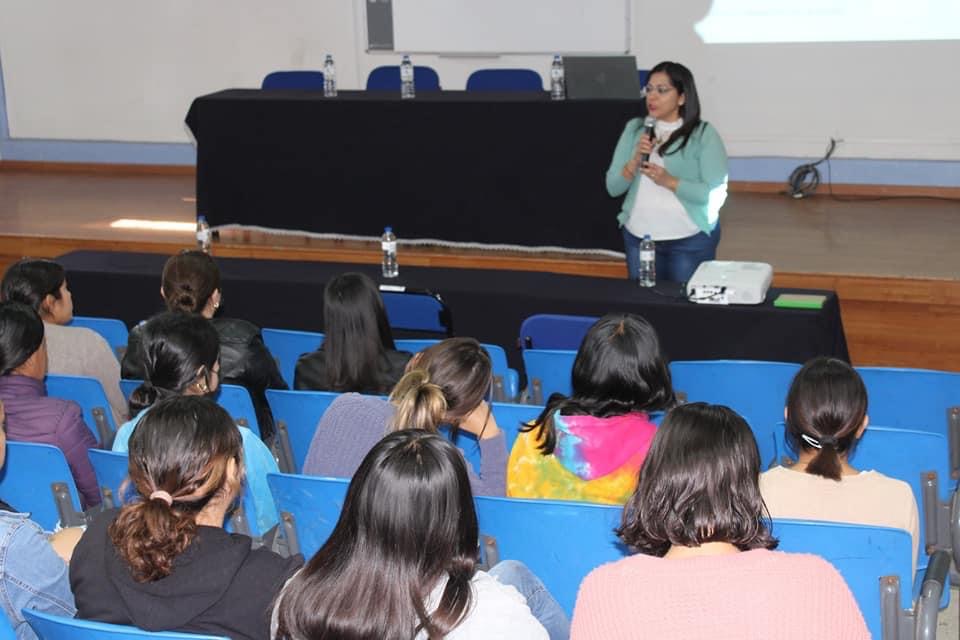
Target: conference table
(486,304)
(494,168)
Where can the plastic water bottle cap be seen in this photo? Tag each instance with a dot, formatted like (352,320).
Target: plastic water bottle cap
(388,229)
(201,218)
(646,236)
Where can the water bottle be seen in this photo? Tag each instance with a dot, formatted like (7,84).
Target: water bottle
(203,234)
(406,78)
(329,78)
(557,87)
(648,262)
(388,242)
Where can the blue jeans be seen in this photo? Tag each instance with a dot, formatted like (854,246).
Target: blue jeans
(543,605)
(676,259)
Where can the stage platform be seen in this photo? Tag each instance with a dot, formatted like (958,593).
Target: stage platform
(892,262)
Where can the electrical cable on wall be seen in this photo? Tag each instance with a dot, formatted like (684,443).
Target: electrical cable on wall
(805,179)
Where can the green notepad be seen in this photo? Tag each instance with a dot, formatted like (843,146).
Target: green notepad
(799,301)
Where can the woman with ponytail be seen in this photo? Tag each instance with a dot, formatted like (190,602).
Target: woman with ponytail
(181,357)
(826,414)
(163,562)
(446,385)
(402,561)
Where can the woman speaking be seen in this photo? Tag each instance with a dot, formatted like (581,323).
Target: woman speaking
(675,179)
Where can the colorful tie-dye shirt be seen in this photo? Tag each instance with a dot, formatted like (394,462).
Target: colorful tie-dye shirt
(595,459)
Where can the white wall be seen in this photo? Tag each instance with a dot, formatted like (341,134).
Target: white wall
(127,70)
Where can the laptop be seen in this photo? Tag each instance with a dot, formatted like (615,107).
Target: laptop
(601,77)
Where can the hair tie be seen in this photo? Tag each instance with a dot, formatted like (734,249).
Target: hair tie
(828,441)
(162,495)
(813,442)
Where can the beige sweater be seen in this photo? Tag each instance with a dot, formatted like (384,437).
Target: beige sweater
(78,351)
(868,498)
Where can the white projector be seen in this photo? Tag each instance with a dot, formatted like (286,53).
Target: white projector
(724,282)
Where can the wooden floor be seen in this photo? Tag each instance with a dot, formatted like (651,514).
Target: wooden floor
(893,262)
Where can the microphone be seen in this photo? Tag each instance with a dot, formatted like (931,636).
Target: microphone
(648,125)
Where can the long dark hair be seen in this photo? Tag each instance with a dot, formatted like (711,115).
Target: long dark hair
(408,522)
(618,370)
(699,483)
(189,279)
(826,406)
(182,447)
(450,379)
(682,80)
(357,334)
(173,348)
(31,280)
(21,334)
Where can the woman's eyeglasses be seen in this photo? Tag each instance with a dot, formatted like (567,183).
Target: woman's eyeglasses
(661,89)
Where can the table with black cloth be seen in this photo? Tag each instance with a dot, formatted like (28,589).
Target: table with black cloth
(486,304)
(507,168)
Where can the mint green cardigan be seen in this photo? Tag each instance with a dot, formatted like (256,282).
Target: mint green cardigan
(700,167)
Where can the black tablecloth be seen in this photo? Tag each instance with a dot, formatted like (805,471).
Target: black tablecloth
(472,167)
(486,304)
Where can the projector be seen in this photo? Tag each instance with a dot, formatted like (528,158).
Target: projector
(725,282)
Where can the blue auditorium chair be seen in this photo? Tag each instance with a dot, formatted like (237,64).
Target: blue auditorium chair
(506,381)
(417,310)
(293,80)
(127,387)
(561,542)
(286,346)
(296,414)
(309,508)
(89,394)
(553,331)
(37,479)
(111,468)
(548,371)
(504,80)
(642,75)
(237,402)
(387,78)
(49,627)
(756,390)
(113,331)
(510,417)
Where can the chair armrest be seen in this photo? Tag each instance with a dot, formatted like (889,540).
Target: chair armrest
(935,580)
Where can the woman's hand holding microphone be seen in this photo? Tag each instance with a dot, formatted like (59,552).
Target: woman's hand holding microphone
(655,172)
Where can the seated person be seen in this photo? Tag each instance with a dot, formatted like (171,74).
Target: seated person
(357,353)
(590,446)
(826,414)
(33,564)
(447,385)
(32,415)
(191,284)
(71,351)
(401,562)
(181,356)
(163,562)
(705,566)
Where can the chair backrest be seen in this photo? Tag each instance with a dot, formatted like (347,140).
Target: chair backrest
(642,75)
(50,627)
(114,331)
(561,542)
(862,554)
(498,362)
(89,394)
(387,78)
(418,311)
(128,386)
(300,79)
(37,479)
(236,400)
(504,80)
(511,416)
(309,508)
(754,389)
(552,331)
(7,631)
(548,371)
(916,399)
(300,412)
(111,469)
(287,346)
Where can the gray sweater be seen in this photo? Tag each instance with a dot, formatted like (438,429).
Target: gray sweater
(353,424)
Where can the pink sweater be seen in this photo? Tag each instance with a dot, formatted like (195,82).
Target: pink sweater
(754,594)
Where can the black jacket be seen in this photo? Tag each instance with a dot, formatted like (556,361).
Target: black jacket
(244,360)
(218,585)
(311,373)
